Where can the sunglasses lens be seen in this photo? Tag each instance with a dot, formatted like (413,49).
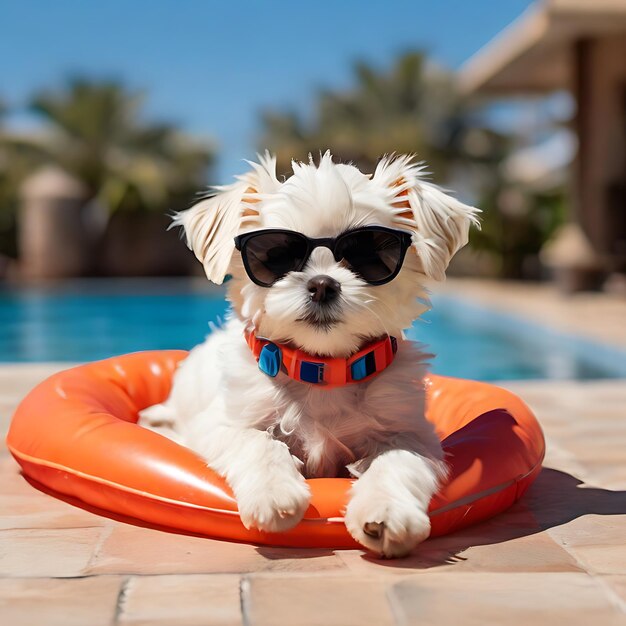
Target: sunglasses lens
(373,254)
(269,256)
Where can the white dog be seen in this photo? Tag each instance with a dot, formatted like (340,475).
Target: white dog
(302,381)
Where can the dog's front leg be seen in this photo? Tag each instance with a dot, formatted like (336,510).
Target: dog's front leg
(271,493)
(388,508)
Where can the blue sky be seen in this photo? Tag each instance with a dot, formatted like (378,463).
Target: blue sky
(213,66)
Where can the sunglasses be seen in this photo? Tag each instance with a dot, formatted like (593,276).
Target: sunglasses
(375,253)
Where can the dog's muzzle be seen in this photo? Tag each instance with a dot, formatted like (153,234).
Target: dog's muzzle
(323,289)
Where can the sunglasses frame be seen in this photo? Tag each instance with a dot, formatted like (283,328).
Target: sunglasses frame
(404,237)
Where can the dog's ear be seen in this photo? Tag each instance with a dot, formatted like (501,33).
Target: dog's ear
(212,224)
(439,223)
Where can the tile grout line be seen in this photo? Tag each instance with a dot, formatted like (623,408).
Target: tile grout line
(244,599)
(553,446)
(160,575)
(398,617)
(49,528)
(610,594)
(613,596)
(107,531)
(120,600)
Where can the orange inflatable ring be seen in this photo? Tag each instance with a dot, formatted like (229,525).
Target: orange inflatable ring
(76,434)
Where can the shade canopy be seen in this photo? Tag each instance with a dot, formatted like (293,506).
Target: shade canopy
(534,53)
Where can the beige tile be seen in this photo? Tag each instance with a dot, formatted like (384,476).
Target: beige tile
(43,511)
(543,304)
(24,506)
(7,408)
(522,565)
(601,558)
(597,542)
(134,550)
(478,550)
(609,471)
(564,505)
(606,448)
(480,599)
(58,553)
(11,480)
(559,459)
(617,587)
(16,380)
(314,600)
(190,600)
(604,423)
(593,529)
(59,602)
(302,560)
(28,375)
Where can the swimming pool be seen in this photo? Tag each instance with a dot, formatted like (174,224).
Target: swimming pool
(94,319)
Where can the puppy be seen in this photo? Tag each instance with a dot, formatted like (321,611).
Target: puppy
(310,375)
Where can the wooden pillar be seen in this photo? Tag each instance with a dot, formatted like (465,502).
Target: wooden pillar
(52,234)
(580,195)
(599,184)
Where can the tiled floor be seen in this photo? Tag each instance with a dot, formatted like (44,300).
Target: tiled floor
(596,316)
(557,557)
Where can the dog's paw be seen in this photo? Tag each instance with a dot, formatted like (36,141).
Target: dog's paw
(156,416)
(161,420)
(390,528)
(273,505)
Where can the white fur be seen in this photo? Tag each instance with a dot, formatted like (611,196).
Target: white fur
(265,435)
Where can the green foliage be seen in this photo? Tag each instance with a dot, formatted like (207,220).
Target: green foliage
(96,131)
(410,108)
(99,137)
(515,225)
(413,107)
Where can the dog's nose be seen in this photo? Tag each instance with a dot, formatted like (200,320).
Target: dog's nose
(323,288)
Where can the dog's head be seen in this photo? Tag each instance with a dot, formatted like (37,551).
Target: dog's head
(326,307)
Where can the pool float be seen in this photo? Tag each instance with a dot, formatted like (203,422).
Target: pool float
(76,434)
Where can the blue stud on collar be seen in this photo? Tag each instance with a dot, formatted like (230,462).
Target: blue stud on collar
(363,367)
(311,372)
(270,359)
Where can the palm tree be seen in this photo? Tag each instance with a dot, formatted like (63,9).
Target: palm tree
(96,134)
(414,107)
(94,131)
(411,107)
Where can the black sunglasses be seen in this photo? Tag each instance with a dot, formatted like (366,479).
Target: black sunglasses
(375,253)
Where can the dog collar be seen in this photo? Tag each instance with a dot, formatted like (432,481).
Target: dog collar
(322,371)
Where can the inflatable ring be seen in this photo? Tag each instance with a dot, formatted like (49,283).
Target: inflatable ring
(76,434)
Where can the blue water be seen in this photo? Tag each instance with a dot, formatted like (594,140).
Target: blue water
(87,320)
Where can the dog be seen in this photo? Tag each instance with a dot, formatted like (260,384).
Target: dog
(310,375)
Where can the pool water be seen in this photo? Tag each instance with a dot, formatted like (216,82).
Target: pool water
(88,320)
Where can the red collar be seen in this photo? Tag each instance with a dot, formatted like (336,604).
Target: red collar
(324,372)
